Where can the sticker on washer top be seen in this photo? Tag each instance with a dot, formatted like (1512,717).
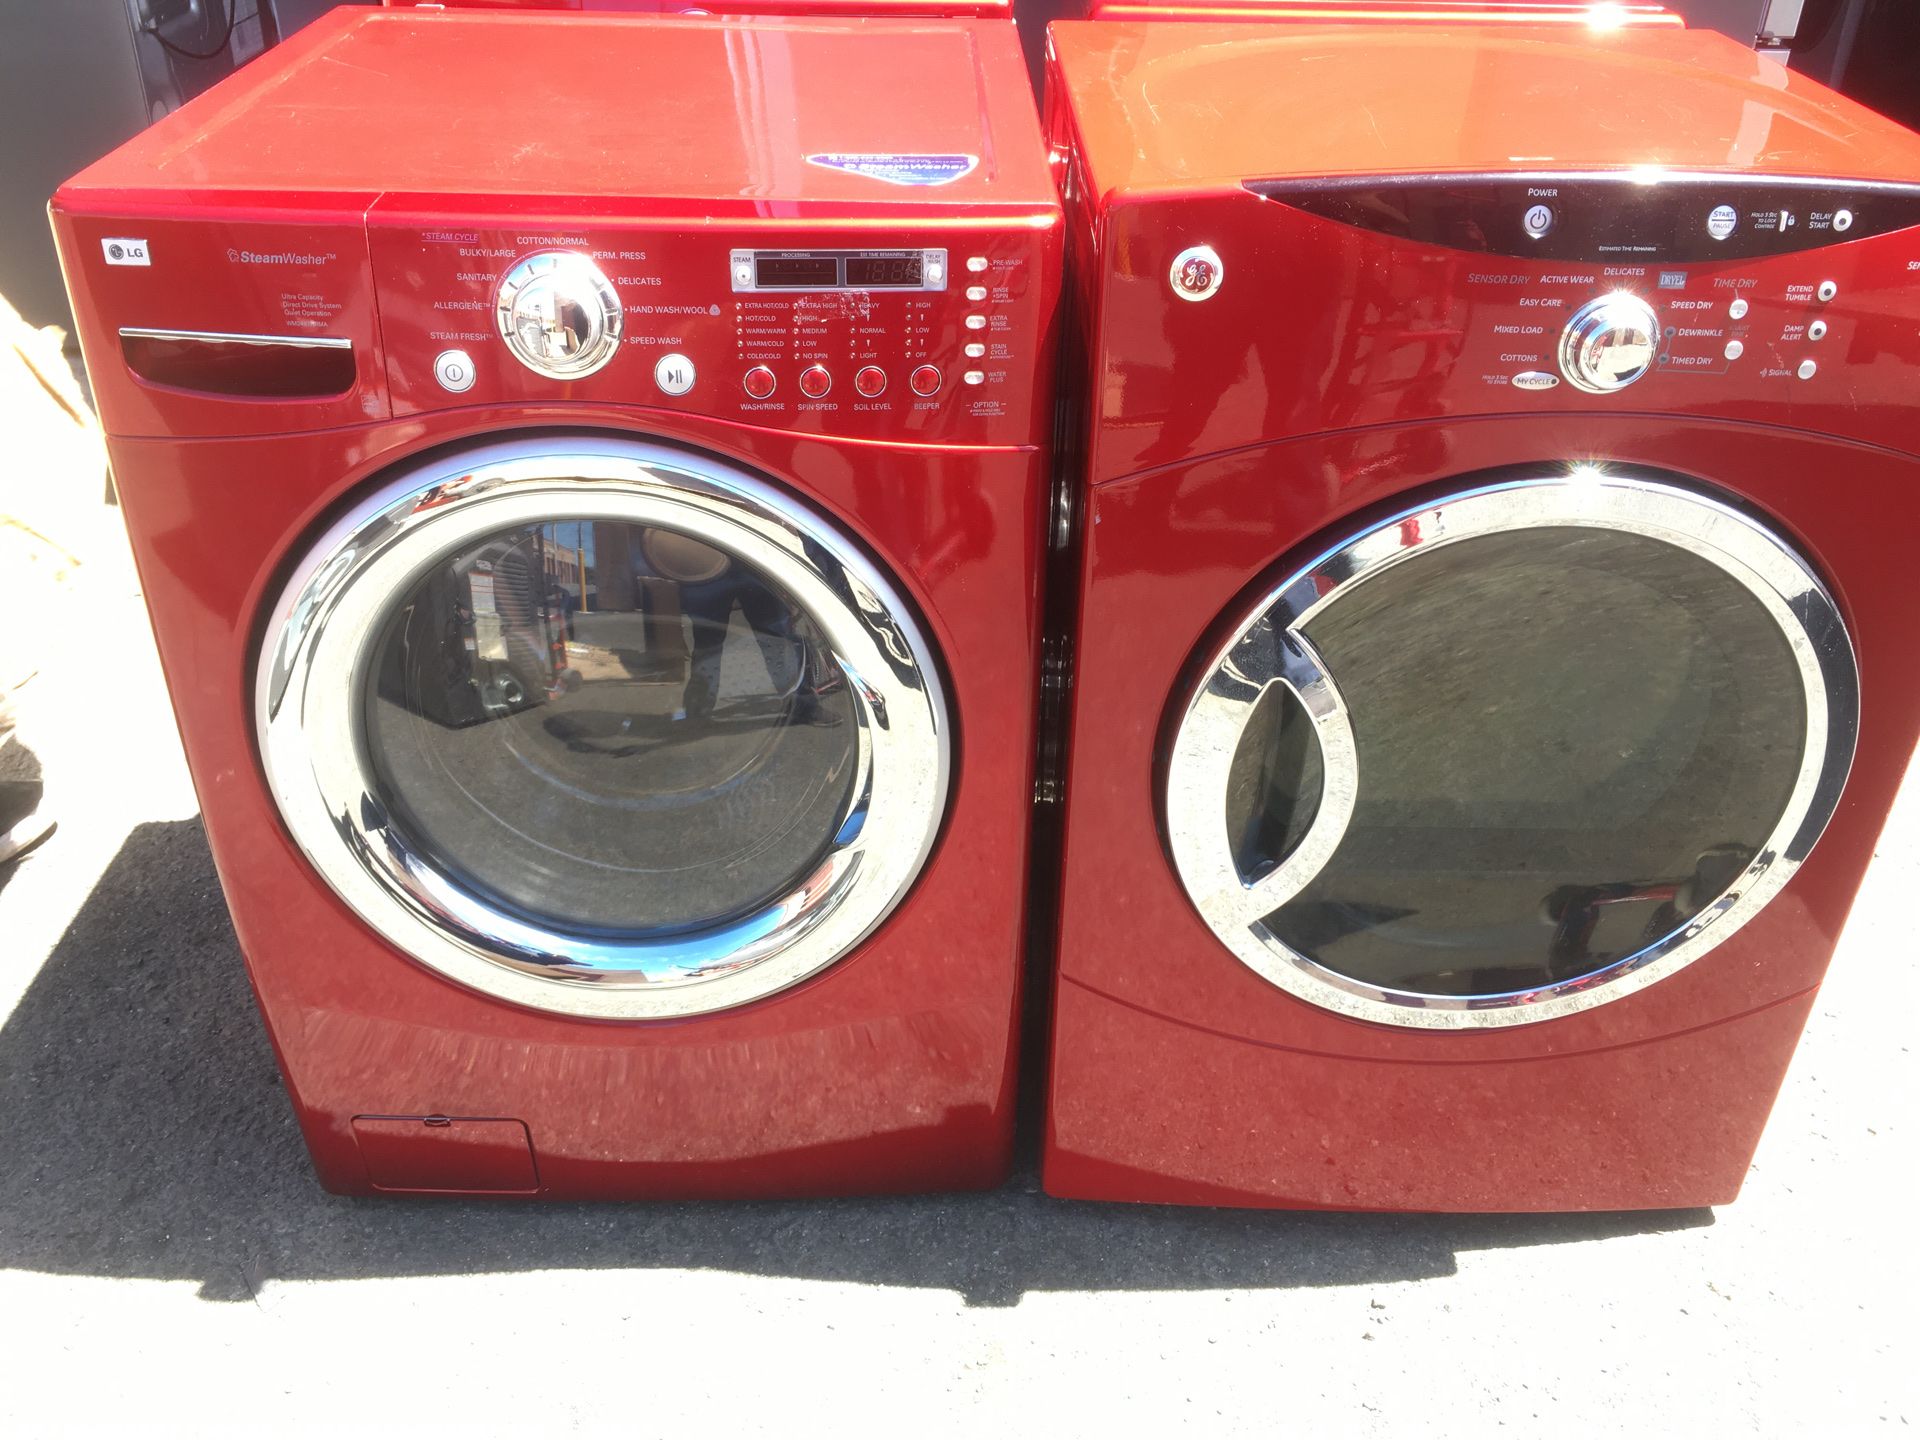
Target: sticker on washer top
(900,169)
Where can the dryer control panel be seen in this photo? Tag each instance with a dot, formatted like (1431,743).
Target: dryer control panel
(1368,302)
(937,336)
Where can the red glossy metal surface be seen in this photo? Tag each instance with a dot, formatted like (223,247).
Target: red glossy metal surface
(897,9)
(1599,16)
(584,113)
(890,1070)
(1340,373)
(1181,108)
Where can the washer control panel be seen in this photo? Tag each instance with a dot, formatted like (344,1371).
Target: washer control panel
(895,338)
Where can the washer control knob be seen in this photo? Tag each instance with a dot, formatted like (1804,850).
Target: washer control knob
(1609,343)
(558,314)
(759,382)
(925,380)
(870,380)
(815,381)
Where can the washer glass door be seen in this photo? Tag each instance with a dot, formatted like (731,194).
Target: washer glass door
(1513,754)
(605,728)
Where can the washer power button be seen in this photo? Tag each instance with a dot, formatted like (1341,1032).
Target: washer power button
(1538,220)
(925,380)
(454,370)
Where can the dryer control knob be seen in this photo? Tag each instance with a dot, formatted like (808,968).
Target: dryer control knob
(558,314)
(1609,343)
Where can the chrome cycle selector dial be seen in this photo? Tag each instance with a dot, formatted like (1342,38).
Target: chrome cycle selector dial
(558,314)
(1609,343)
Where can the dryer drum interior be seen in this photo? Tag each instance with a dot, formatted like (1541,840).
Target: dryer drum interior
(1515,753)
(605,728)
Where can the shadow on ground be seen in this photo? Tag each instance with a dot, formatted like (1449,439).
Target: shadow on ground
(144,1133)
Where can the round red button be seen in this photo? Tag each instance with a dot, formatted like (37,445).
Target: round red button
(759,382)
(925,380)
(870,380)
(815,381)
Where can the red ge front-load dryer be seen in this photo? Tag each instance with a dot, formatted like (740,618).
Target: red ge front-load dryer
(1493,581)
(1599,15)
(587,478)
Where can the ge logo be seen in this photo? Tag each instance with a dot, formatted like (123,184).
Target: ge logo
(116,251)
(1196,272)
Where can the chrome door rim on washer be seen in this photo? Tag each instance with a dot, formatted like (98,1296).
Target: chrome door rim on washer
(1269,648)
(314,663)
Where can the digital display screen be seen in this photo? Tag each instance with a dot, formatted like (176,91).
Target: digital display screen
(782,272)
(874,272)
(832,270)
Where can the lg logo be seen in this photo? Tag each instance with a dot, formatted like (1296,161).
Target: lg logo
(123,251)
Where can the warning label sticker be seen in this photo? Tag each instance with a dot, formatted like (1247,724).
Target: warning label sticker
(900,169)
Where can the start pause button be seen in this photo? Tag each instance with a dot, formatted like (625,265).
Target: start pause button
(673,373)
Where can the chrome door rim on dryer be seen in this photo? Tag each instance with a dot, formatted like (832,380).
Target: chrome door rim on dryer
(314,665)
(1267,649)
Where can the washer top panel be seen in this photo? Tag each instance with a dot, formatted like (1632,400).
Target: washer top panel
(754,113)
(1180,106)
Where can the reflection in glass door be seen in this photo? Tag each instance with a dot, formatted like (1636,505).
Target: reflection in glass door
(1514,754)
(604,728)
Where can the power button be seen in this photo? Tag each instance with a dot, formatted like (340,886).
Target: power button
(454,370)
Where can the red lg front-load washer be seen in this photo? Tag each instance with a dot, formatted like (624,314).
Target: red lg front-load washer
(1494,658)
(894,9)
(587,480)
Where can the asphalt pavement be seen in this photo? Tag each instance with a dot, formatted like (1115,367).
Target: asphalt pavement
(169,1266)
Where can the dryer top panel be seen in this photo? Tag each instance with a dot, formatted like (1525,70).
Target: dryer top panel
(1164,106)
(743,115)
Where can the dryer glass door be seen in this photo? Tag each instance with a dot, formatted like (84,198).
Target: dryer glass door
(604,728)
(1513,754)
